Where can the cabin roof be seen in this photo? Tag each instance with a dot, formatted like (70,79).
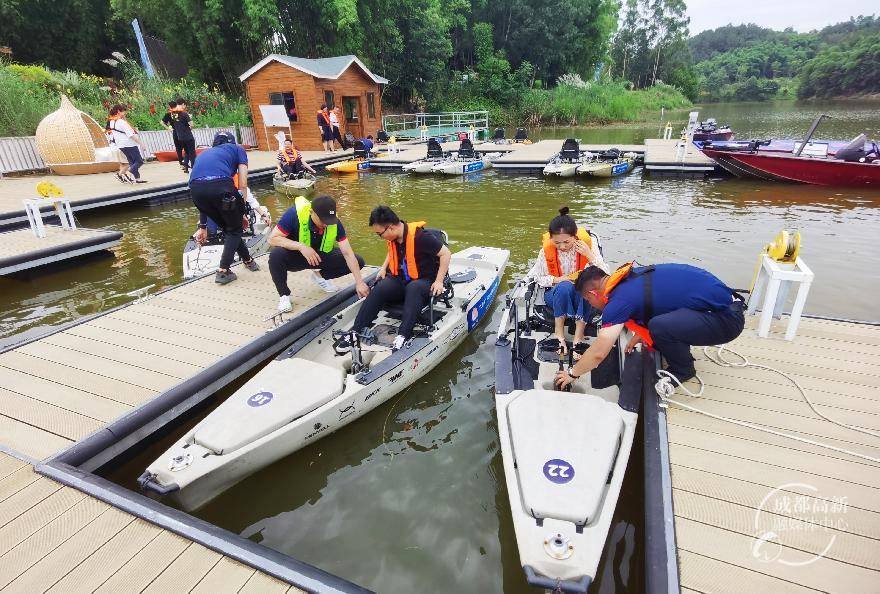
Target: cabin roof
(331,68)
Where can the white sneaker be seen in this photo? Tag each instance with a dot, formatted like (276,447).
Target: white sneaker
(322,282)
(398,343)
(284,303)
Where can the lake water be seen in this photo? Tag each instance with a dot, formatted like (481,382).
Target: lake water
(411,497)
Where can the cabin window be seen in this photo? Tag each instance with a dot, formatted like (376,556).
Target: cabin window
(288,100)
(371,105)
(350,108)
(328,99)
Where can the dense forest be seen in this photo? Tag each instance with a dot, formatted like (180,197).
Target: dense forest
(751,63)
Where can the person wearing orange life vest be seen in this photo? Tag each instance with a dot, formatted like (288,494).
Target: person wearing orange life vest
(566,250)
(290,161)
(668,307)
(326,128)
(415,266)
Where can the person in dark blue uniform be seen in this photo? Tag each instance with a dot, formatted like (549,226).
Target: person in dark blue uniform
(670,307)
(215,195)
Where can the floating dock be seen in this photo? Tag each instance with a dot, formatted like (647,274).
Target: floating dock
(419,151)
(59,388)
(532,158)
(677,158)
(22,250)
(97,190)
(760,512)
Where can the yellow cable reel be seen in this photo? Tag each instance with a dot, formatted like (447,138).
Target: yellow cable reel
(784,248)
(47,189)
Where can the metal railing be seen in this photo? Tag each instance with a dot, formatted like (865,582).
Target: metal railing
(413,124)
(19,153)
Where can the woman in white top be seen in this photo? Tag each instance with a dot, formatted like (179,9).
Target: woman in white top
(124,137)
(335,115)
(565,252)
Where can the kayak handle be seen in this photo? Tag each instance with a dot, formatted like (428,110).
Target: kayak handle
(578,587)
(148,482)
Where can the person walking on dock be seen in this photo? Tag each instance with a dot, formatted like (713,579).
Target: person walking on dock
(167,121)
(335,116)
(125,137)
(325,127)
(215,195)
(183,125)
(669,307)
(310,236)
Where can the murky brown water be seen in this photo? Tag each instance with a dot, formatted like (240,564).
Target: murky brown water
(411,497)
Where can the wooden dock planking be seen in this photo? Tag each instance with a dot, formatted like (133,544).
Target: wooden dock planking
(56,539)
(722,473)
(22,250)
(70,383)
(664,156)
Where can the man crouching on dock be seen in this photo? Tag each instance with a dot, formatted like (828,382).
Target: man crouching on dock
(318,243)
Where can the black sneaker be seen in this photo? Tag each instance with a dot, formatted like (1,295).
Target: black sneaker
(140,181)
(222,278)
(252,265)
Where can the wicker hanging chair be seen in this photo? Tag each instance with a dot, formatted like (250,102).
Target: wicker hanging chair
(67,140)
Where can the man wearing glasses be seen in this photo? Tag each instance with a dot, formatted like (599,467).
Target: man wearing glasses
(417,262)
(309,235)
(669,307)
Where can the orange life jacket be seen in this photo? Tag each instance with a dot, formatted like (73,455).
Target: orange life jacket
(325,116)
(290,159)
(409,250)
(615,279)
(551,255)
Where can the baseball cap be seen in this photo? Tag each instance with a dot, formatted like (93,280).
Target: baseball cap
(223,137)
(325,208)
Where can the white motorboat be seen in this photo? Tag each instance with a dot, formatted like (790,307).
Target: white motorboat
(300,184)
(564,453)
(314,388)
(199,260)
(434,156)
(465,160)
(565,163)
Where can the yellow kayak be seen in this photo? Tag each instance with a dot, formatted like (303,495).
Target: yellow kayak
(356,165)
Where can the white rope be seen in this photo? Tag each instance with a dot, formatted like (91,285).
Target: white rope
(666,388)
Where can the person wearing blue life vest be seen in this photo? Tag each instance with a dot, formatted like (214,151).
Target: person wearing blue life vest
(214,193)
(310,236)
(669,307)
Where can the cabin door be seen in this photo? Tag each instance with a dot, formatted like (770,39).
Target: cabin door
(351,109)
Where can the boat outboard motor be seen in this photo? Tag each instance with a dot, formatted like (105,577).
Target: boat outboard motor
(359,149)
(571,150)
(381,136)
(521,134)
(498,134)
(434,149)
(466,149)
(854,152)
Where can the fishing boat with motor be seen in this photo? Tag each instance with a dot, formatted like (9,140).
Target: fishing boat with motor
(610,163)
(465,160)
(315,387)
(202,259)
(298,184)
(564,453)
(359,163)
(711,130)
(565,163)
(435,155)
(855,165)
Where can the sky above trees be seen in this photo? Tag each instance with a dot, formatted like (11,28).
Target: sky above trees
(801,15)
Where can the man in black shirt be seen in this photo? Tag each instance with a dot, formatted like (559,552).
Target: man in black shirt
(167,123)
(417,262)
(182,123)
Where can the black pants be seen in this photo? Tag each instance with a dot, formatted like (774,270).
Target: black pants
(135,160)
(178,148)
(675,332)
(393,289)
(221,202)
(293,168)
(283,260)
(189,152)
(338,137)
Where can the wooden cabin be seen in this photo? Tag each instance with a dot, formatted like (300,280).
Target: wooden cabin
(301,85)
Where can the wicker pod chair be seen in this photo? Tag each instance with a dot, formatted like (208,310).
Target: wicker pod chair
(72,143)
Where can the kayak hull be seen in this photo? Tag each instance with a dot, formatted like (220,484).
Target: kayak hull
(294,187)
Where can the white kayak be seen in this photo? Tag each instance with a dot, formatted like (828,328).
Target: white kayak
(301,185)
(199,260)
(562,167)
(463,166)
(564,453)
(434,155)
(312,389)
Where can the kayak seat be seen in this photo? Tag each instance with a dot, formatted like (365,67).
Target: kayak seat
(269,401)
(395,310)
(571,150)
(466,149)
(565,446)
(498,134)
(521,134)
(435,151)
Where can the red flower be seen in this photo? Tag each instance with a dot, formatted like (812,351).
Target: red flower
(216,104)
(106,104)
(203,111)
(195,103)
(152,109)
